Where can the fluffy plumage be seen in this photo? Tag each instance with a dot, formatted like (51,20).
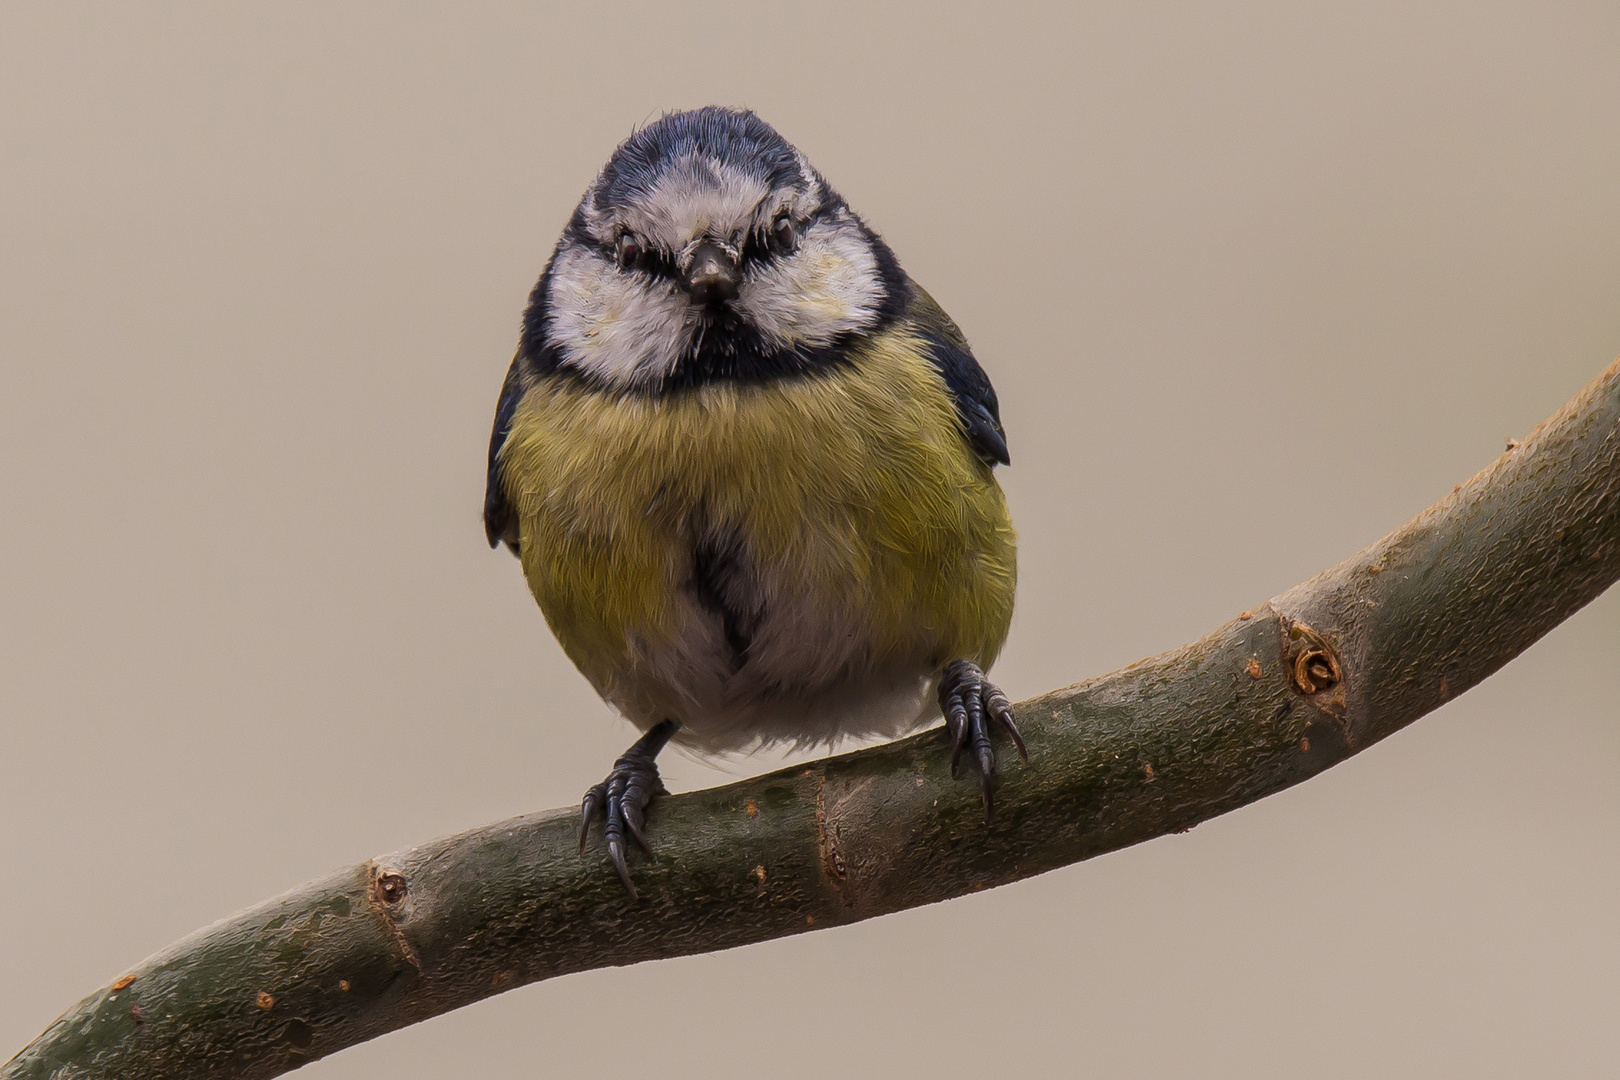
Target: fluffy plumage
(771,518)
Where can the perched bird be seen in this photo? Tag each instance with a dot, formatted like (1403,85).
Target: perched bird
(746,463)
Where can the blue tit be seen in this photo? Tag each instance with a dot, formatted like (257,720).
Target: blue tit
(746,465)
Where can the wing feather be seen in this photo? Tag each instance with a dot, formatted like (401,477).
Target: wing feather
(500,516)
(976,404)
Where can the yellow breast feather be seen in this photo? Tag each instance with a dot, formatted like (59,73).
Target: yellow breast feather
(851,490)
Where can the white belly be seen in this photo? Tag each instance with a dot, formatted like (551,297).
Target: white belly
(811,672)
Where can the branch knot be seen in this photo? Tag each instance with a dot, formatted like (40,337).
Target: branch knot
(1313,665)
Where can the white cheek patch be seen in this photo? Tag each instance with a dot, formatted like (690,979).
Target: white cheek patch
(624,328)
(632,329)
(827,287)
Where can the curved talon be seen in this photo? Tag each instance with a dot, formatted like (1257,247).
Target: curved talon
(633,819)
(588,808)
(1002,710)
(973,708)
(956,721)
(621,800)
(615,848)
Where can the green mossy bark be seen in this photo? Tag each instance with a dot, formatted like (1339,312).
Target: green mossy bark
(1264,702)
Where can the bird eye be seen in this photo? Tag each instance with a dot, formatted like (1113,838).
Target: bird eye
(783,235)
(627,250)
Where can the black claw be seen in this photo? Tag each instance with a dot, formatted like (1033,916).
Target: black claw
(588,809)
(973,708)
(956,720)
(615,848)
(632,822)
(1018,740)
(621,800)
(1002,710)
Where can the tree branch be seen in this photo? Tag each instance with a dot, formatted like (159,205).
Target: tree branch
(1272,698)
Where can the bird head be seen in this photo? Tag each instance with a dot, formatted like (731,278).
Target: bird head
(708,248)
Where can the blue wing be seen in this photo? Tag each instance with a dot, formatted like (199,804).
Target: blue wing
(500,517)
(976,405)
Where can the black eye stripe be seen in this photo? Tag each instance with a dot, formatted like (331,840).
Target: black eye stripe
(658,263)
(649,259)
(758,247)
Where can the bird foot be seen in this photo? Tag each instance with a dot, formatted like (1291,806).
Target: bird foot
(973,708)
(621,800)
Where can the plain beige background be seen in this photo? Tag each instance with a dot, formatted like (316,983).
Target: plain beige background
(1256,283)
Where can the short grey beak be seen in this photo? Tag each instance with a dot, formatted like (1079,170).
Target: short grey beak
(713,275)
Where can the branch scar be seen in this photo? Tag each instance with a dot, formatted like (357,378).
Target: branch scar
(832,858)
(388,893)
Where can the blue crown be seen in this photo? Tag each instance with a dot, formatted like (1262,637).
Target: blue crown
(732,137)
